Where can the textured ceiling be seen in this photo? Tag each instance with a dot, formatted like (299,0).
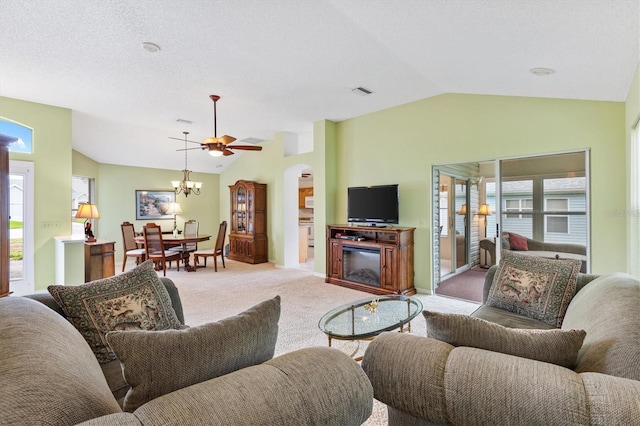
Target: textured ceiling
(280,65)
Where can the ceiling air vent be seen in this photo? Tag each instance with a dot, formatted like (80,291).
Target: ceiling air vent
(361,91)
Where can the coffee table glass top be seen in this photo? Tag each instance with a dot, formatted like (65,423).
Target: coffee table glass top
(357,320)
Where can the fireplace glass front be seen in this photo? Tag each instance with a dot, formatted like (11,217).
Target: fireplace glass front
(361,264)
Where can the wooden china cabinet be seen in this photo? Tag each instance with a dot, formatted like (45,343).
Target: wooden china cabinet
(248,228)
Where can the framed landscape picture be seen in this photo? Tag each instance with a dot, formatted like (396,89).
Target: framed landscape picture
(154,205)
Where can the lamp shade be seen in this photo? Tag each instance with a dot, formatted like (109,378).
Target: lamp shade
(87,211)
(485,210)
(463,210)
(174,208)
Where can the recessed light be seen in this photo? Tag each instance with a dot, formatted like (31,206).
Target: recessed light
(150,47)
(542,71)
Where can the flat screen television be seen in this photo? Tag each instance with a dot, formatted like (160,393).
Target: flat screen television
(373,204)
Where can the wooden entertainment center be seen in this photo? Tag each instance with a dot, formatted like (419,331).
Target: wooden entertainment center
(373,259)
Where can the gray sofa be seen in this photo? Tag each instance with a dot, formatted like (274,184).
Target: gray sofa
(51,376)
(425,381)
(541,249)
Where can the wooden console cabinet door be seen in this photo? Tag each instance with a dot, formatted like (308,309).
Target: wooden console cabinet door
(389,267)
(248,228)
(99,260)
(335,259)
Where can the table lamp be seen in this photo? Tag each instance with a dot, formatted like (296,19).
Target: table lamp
(174,208)
(88,211)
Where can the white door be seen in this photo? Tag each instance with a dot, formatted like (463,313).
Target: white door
(21,264)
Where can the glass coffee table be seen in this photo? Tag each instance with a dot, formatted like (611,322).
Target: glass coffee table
(365,319)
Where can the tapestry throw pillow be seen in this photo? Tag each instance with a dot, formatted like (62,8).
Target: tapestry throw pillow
(155,364)
(533,286)
(134,300)
(518,242)
(554,346)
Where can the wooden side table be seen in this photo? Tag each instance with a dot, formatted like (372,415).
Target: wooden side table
(99,260)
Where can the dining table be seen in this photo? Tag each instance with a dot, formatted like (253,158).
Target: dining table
(170,241)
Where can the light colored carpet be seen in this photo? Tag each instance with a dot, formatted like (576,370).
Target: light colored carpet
(209,296)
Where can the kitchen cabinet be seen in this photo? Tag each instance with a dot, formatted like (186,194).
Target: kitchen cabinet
(302,194)
(303,243)
(248,228)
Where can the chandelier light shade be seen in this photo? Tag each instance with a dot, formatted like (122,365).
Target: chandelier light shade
(88,211)
(186,185)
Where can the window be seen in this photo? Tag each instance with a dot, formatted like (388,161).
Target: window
(23,133)
(444,212)
(557,224)
(81,192)
(519,205)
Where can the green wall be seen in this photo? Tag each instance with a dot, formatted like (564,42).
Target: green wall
(400,145)
(116,186)
(52,167)
(266,166)
(632,115)
(397,145)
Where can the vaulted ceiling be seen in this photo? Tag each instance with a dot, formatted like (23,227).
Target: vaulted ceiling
(280,65)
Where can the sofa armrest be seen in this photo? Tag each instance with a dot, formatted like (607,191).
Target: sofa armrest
(316,385)
(434,382)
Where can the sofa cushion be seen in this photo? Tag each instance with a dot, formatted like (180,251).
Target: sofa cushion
(518,242)
(133,300)
(161,362)
(554,346)
(48,373)
(533,286)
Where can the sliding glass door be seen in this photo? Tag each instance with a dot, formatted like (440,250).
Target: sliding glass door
(545,198)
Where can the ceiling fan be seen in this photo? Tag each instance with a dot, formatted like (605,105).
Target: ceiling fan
(223,145)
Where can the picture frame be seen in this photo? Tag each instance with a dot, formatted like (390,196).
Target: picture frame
(153,205)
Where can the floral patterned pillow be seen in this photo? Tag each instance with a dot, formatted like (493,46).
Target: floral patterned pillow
(535,287)
(134,300)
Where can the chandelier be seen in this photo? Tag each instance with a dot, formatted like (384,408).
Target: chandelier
(186,185)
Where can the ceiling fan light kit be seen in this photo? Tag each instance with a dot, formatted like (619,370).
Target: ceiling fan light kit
(186,186)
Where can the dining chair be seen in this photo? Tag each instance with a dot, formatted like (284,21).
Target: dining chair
(154,248)
(190,230)
(218,250)
(131,248)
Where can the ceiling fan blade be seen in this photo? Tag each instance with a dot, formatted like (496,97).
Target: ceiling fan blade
(182,140)
(224,140)
(246,147)
(186,149)
(227,152)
